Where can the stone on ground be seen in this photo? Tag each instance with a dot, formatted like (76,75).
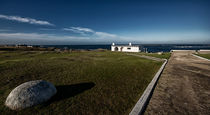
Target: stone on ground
(29,94)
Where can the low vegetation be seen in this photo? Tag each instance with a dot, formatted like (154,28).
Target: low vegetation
(204,55)
(13,48)
(165,55)
(87,82)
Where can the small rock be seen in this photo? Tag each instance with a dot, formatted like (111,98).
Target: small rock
(29,94)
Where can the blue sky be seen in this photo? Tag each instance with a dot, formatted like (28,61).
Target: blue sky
(66,22)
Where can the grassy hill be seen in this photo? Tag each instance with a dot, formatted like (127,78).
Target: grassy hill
(87,82)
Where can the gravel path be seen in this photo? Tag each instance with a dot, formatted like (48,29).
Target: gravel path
(183,88)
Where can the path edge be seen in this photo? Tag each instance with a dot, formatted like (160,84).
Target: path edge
(141,104)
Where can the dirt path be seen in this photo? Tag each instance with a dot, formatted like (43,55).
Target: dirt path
(183,88)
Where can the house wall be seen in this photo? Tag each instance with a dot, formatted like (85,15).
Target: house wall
(204,51)
(132,49)
(112,48)
(125,48)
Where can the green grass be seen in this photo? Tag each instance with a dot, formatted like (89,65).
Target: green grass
(165,55)
(204,55)
(87,82)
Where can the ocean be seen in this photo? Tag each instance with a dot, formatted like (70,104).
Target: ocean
(148,47)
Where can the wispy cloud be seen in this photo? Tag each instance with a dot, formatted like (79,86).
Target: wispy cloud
(86,35)
(38,38)
(80,30)
(101,38)
(88,31)
(26,20)
(104,34)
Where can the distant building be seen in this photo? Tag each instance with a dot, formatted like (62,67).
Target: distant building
(29,46)
(125,48)
(21,45)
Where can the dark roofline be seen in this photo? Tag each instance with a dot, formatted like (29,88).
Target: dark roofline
(126,45)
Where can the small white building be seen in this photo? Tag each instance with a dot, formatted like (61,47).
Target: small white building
(125,48)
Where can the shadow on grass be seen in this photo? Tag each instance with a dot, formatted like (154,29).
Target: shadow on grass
(67,91)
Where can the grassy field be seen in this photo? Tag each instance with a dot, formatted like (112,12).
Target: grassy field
(204,55)
(165,55)
(87,82)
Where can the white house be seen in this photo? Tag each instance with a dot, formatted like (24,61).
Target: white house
(125,48)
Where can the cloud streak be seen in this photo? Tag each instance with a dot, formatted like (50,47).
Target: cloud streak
(79,30)
(38,38)
(26,20)
(100,38)
(104,34)
(88,31)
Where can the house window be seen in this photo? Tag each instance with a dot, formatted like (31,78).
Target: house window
(128,48)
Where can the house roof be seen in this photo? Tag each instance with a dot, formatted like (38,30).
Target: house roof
(125,45)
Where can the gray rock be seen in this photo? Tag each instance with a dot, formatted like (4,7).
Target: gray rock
(29,94)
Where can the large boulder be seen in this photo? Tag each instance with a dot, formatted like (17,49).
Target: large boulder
(29,94)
